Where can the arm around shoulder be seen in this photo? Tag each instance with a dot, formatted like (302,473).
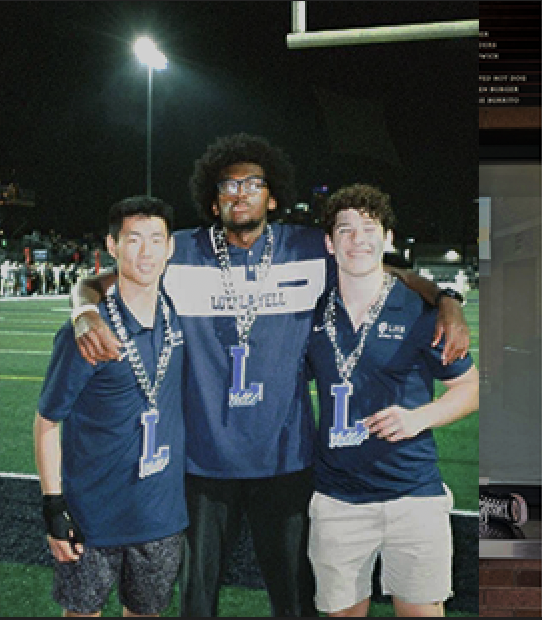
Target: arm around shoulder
(423,286)
(92,289)
(95,341)
(451,322)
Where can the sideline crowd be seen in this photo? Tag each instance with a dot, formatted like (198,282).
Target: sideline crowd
(47,264)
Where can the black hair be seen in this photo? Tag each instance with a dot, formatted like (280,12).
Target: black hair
(236,149)
(364,198)
(139,205)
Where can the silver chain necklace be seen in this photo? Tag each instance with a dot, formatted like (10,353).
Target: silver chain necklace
(244,317)
(150,391)
(345,365)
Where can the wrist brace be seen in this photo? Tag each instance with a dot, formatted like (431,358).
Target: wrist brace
(58,520)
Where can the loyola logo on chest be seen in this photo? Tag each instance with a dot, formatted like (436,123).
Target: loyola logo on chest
(388,331)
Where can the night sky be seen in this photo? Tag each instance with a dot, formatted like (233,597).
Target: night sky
(73,107)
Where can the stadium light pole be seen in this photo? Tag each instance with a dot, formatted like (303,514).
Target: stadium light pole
(149,55)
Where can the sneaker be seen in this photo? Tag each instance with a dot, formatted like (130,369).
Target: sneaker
(509,507)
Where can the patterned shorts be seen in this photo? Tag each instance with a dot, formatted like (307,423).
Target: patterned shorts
(145,574)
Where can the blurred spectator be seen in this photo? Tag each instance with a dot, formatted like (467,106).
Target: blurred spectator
(42,284)
(23,275)
(4,277)
(49,278)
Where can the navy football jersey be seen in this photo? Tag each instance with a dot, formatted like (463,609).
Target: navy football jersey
(273,432)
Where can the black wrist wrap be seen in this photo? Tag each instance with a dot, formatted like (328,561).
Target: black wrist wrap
(58,520)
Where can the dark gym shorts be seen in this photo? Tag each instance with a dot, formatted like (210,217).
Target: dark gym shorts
(145,574)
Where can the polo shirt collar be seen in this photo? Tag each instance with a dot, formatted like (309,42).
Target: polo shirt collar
(131,324)
(396,298)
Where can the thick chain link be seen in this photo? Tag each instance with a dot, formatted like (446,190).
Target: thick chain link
(150,391)
(345,365)
(246,316)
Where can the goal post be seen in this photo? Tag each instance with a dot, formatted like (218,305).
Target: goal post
(299,38)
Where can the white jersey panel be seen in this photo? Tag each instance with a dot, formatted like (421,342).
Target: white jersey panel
(197,290)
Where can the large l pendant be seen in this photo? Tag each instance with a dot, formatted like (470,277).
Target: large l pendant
(239,395)
(151,462)
(340,434)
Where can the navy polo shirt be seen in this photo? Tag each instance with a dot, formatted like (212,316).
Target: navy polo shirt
(104,437)
(275,434)
(397,367)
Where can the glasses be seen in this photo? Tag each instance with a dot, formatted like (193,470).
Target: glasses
(249,185)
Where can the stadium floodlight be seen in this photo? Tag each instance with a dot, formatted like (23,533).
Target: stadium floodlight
(149,55)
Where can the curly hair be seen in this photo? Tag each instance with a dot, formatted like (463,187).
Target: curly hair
(235,149)
(364,198)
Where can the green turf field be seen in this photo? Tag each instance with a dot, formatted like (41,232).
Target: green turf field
(27,328)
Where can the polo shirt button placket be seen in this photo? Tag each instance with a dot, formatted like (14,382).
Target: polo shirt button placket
(251,271)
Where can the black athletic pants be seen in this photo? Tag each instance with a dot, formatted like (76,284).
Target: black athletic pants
(276,510)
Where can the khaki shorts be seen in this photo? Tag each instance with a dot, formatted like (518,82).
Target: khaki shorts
(411,534)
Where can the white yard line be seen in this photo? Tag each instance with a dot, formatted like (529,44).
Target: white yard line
(20,352)
(17,312)
(464,513)
(17,333)
(25,320)
(10,474)
(26,298)
(22,378)
(16,476)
